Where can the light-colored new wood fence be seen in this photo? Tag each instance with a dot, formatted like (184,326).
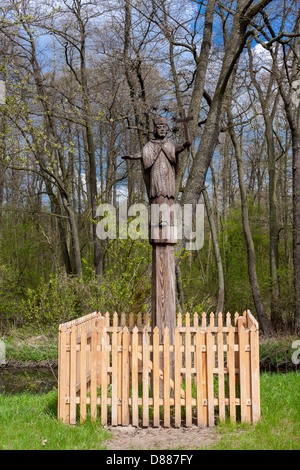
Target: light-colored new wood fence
(120,373)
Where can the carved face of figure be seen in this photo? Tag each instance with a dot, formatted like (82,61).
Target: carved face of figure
(160,130)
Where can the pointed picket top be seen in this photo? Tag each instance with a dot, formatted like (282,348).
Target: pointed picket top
(236,316)
(203,320)
(179,319)
(107,319)
(135,330)
(156,330)
(166,330)
(220,320)
(195,319)
(198,329)
(228,319)
(212,319)
(123,319)
(187,319)
(139,319)
(115,319)
(131,320)
(147,319)
(125,330)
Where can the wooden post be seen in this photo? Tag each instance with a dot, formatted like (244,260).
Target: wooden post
(163,290)
(115,377)
(164,298)
(83,375)
(220,352)
(177,377)
(242,368)
(104,373)
(125,378)
(73,376)
(231,373)
(166,377)
(134,374)
(146,358)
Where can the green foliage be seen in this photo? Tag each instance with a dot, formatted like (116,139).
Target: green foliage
(125,286)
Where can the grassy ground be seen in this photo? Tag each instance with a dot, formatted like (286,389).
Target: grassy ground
(279,427)
(28,421)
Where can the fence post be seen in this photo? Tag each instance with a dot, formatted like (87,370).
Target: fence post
(242,368)
(255,385)
(125,377)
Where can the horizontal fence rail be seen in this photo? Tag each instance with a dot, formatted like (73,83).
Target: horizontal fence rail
(116,369)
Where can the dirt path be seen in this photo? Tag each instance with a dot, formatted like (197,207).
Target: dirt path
(129,438)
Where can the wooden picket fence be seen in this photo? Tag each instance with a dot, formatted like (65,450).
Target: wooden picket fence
(121,374)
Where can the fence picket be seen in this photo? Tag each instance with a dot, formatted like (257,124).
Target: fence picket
(114,374)
(94,375)
(104,373)
(62,374)
(83,375)
(188,377)
(156,377)
(73,360)
(146,358)
(167,378)
(231,373)
(255,393)
(120,377)
(177,379)
(242,368)
(135,383)
(221,369)
(125,378)
(210,360)
(199,368)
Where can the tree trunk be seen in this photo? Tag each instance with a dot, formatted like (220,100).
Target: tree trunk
(214,235)
(244,13)
(296,222)
(262,318)
(75,237)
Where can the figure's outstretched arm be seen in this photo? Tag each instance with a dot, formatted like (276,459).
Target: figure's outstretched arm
(181,147)
(135,156)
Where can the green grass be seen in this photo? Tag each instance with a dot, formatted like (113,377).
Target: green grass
(28,422)
(26,345)
(279,427)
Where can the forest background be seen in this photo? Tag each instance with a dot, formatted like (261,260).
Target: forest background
(84,80)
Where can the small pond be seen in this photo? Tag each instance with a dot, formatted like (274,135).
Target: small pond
(16,380)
